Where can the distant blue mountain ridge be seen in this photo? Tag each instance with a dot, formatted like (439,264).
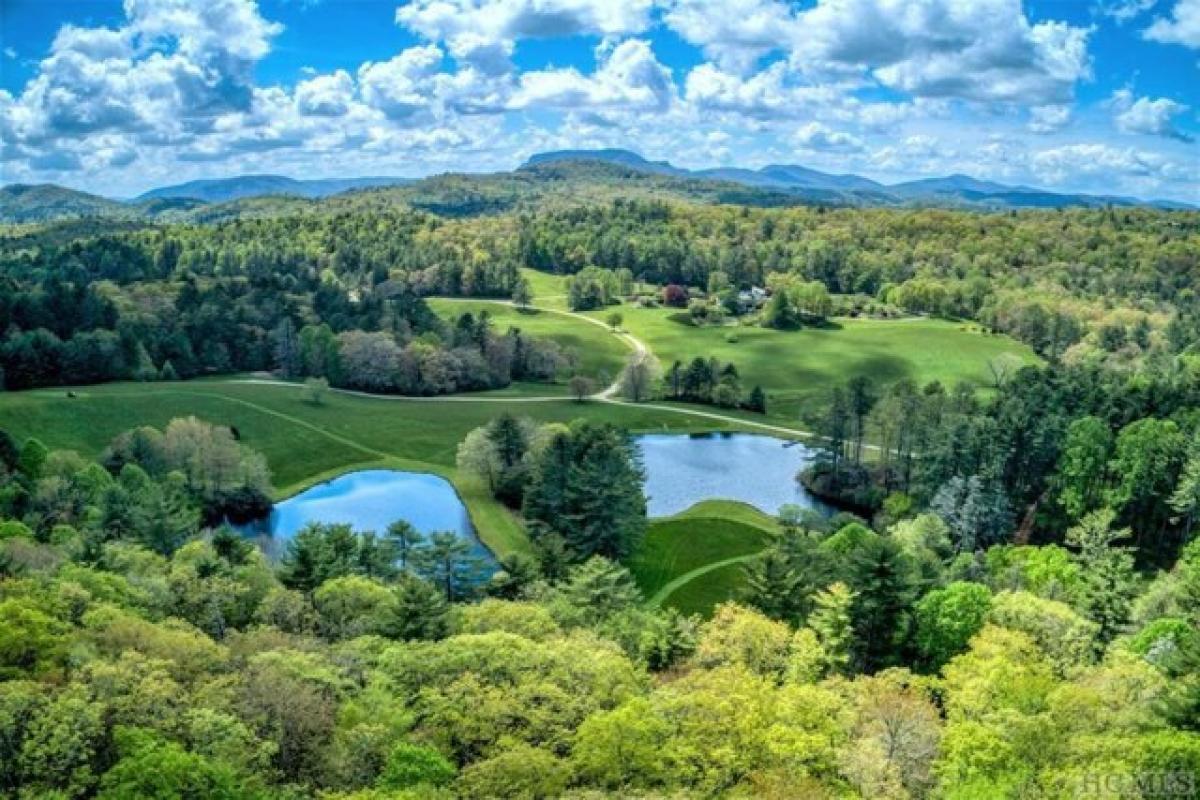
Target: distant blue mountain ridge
(952,190)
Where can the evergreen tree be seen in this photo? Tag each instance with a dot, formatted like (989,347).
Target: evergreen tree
(885,585)
(406,540)
(831,620)
(447,563)
(1109,581)
(757,401)
(586,485)
(1185,500)
(771,584)
(420,610)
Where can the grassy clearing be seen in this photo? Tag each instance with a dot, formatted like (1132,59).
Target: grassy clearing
(549,291)
(671,565)
(797,368)
(598,352)
(305,443)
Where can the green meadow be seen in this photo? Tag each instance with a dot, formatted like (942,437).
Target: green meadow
(797,368)
(692,561)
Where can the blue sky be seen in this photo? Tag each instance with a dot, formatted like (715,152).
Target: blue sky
(1082,95)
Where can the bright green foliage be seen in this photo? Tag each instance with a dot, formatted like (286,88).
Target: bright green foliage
(622,747)
(947,619)
(832,622)
(410,766)
(62,745)
(1107,579)
(1083,465)
(1066,638)
(1049,571)
(522,773)
(154,769)
(352,606)
(748,639)
(1145,466)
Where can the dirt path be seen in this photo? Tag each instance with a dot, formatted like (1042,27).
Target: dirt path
(636,345)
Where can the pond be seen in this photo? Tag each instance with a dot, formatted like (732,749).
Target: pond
(759,470)
(370,500)
(681,471)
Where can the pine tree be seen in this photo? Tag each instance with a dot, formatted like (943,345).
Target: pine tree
(831,621)
(884,581)
(405,540)
(771,584)
(1185,500)
(447,563)
(1107,572)
(586,485)
(757,400)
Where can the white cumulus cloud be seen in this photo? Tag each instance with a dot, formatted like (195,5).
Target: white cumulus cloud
(628,77)
(1148,116)
(1181,27)
(983,50)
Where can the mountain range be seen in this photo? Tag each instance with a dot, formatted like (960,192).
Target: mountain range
(952,190)
(223,189)
(776,184)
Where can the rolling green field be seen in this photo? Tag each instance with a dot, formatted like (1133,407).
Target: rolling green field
(549,291)
(678,562)
(797,368)
(305,443)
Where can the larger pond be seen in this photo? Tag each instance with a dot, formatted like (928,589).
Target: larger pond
(759,470)
(680,472)
(370,500)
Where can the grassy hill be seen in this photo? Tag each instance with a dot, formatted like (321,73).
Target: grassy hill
(693,560)
(797,368)
(598,352)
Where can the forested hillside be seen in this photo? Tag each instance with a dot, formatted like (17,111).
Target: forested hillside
(81,304)
(1006,605)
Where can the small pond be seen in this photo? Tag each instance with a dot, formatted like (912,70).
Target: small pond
(370,500)
(682,470)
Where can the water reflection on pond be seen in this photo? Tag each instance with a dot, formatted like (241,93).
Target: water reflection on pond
(681,471)
(370,500)
(759,470)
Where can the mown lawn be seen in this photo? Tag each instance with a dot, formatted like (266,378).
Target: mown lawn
(710,532)
(599,352)
(704,594)
(797,368)
(549,291)
(306,443)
